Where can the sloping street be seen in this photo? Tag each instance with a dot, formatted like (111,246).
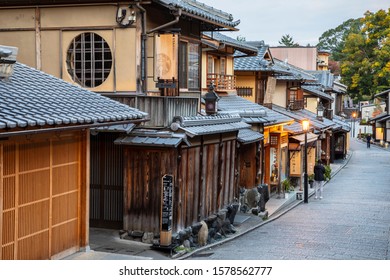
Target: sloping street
(351,222)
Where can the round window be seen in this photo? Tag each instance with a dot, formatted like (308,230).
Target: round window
(89,60)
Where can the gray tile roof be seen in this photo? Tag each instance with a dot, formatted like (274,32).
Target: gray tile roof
(195,8)
(293,72)
(247,136)
(149,141)
(317,91)
(251,112)
(203,125)
(152,138)
(294,128)
(125,128)
(238,45)
(299,115)
(33,99)
(345,126)
(325,78)
(253,63)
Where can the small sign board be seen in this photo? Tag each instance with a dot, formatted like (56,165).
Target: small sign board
(167,203)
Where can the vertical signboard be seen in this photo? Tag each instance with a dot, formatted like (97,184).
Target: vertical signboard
(295,164)
(166,210)
(166,57)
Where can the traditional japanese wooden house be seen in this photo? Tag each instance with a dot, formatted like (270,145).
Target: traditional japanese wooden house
(45,164)
(198,154)
(381,122)
(146,54)
(257,159)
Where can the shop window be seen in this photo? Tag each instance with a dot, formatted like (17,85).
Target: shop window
(89,60)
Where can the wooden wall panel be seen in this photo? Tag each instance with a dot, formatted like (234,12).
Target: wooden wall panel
(34,186)
(144,170)
(204,183)
(33,155)
(33,218)
(64,208)
(40,190)
(35,247)
(65,178)
(8,227)
(64,236)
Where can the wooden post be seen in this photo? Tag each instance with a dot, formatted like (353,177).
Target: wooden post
(1,200)
(166,210)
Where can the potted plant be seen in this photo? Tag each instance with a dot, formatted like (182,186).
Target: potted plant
(328,172)
(286,184)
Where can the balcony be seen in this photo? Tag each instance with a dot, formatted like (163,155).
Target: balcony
(296,104)
(221,81)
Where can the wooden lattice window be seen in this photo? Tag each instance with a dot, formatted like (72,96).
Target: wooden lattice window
(244,91)
(89,60)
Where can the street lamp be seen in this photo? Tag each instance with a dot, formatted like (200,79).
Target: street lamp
(305,126)
(320,111)
(353,124)
(211,100)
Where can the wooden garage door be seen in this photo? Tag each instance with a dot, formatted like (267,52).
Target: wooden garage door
(41,203)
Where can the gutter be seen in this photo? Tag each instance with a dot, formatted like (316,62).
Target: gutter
(66,128)
(177,15)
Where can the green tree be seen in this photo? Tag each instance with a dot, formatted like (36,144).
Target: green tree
(288,41)
(333,40)
(365,65)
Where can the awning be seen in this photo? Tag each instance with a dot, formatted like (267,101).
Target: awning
(125,128)
(144,141)
(311,137)
(247,136)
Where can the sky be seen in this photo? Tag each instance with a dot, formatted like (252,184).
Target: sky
(303,20)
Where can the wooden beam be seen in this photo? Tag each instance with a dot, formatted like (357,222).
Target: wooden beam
(1,200)
(38,58)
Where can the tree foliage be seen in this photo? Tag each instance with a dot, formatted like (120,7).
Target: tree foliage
(288,41)
(333,40)
(365,59)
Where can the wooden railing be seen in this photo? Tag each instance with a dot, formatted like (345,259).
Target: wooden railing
(222,82)
(296,104)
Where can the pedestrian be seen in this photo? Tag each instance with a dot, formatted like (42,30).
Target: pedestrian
(319,178)
(368,139)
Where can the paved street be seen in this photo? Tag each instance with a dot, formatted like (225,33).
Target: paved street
(351,222)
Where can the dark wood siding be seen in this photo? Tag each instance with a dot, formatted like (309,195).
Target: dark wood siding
(203,182)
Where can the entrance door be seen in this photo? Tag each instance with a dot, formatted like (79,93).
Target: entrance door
(106,186)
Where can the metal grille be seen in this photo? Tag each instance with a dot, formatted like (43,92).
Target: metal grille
(89,60)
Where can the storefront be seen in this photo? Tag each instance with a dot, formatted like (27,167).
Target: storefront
(296,149)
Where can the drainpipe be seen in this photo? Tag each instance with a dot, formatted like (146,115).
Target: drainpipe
(144,37)
(177,15)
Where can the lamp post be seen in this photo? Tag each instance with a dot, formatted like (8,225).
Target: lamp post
(353,124)
(211,99)
(305,126)
(320,111)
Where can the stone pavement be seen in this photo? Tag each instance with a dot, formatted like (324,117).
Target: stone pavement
(107,244)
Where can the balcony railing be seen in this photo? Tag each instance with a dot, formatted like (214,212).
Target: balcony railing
(296,104)
(222,82)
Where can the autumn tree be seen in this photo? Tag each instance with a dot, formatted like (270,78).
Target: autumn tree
(365,65)
(288,41)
